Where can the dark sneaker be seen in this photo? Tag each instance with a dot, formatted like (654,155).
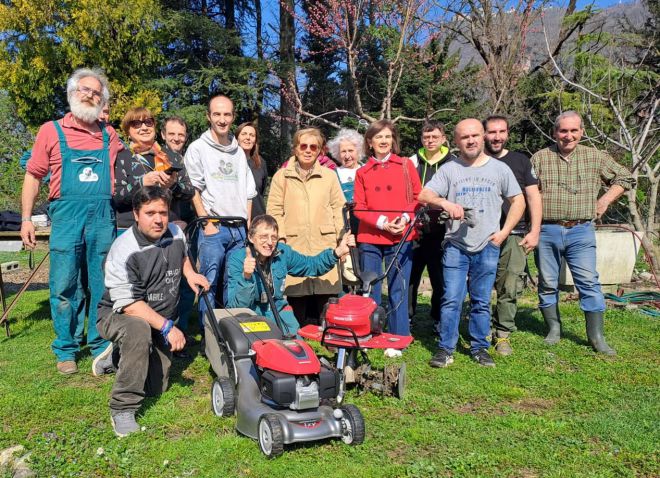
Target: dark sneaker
(123,423)
(103,363)
(483,358)
(441,359)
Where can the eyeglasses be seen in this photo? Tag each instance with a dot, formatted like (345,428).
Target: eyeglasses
(263,238)
(312,147)
(148,122)
(89,92)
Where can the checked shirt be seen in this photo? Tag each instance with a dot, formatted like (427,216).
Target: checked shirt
(570,187)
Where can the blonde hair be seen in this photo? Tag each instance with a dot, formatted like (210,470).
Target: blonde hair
(315,132)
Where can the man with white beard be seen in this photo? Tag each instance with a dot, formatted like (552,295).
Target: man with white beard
(79,152)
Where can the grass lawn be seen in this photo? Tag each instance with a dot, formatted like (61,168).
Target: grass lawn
(543,412)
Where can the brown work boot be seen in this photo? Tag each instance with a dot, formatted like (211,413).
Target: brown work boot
(502,344)
(67,367)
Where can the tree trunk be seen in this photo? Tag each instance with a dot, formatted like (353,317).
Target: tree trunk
(287,60)
(260,55)
(230,14)
(638,223)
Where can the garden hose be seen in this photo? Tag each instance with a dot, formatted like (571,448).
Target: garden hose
(649,300)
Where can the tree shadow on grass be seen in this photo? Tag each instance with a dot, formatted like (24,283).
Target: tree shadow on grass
(40,311)
(424,328)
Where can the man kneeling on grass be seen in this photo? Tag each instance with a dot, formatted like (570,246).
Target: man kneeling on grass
(142,274)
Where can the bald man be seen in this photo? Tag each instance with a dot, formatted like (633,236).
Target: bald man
(471,188)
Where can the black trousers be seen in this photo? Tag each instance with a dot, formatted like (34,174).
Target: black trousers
(427,253)
(307,309)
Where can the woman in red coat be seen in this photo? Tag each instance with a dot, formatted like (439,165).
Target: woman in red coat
(386,190)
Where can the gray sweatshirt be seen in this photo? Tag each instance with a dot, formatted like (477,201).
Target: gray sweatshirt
(221,175)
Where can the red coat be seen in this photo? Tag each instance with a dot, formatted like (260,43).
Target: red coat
(383,186)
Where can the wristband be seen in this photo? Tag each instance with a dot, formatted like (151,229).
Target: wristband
(166,328)
(26,219)
(334,253)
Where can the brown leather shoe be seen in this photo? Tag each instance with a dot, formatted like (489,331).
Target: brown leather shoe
(67,367)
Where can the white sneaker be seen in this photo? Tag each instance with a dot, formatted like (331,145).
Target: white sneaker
(391,353)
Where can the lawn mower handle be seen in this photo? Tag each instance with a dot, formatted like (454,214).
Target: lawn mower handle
(269,295)
(355,257)
(190,228)
(421,212)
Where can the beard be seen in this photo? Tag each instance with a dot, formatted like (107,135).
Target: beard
(83,111)
(494,148)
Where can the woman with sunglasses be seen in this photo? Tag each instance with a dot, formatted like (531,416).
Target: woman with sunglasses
(145,163)
(386,190)
(306,200)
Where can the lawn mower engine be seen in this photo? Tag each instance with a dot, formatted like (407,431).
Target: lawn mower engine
(290,374)
(353,317)
(352,324)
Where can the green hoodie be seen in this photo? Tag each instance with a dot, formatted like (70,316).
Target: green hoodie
(424,163)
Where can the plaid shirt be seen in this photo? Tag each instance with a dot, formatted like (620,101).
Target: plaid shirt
(570,187)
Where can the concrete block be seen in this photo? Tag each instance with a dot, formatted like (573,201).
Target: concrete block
(9,266)
(616,253)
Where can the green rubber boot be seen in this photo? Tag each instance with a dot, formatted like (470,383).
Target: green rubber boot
(551,317)
(595,333)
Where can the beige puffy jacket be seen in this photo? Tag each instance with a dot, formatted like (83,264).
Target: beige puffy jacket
(309,216)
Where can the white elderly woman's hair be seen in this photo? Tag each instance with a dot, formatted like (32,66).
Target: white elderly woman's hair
(346,134)
(79,74)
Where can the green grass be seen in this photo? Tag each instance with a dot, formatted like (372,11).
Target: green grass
(543,412)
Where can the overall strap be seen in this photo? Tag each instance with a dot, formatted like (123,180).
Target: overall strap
(60,134)
(106,137)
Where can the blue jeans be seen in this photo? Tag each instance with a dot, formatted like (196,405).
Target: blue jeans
(213,250)
(577,245)
(457,267)
(371,260)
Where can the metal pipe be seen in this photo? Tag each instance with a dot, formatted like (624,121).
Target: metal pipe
(5,315)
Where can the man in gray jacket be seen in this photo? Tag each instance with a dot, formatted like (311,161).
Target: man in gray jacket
(224,185)
(143,272)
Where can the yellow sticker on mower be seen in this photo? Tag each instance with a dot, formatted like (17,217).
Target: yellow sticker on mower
(255,327)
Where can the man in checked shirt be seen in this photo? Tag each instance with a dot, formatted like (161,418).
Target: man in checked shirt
(570,178)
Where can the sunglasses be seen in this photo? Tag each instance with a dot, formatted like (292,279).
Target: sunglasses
(148,122)
(312,147)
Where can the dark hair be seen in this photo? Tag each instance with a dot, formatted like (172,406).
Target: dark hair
(495,118)
(219,95)
(269,221)
(254,152)
(146,194)
(375,128)
(173,119)
(430,125)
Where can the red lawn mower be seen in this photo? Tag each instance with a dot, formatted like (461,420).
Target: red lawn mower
(354,323)
(275,384)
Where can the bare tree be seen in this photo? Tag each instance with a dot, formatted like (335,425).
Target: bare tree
(353,26)
(288,70)
(498,31)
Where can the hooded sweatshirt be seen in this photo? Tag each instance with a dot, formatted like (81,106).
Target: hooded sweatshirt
(426,168)
(222,176)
